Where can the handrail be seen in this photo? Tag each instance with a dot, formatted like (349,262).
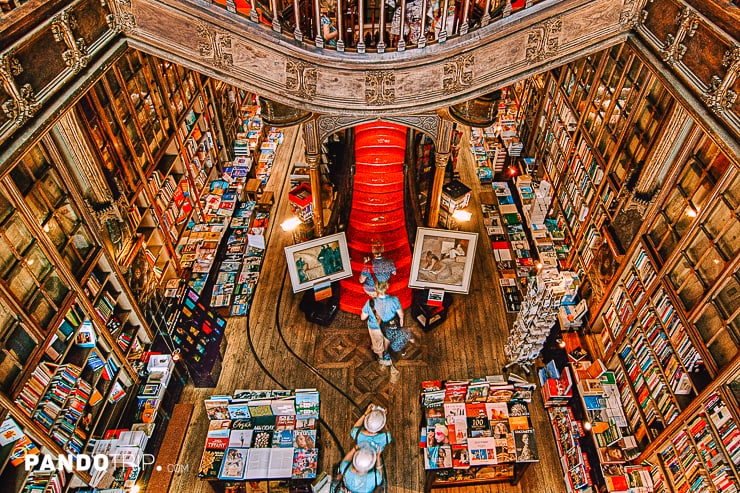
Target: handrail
(359,23)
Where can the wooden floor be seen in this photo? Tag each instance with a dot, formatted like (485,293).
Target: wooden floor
(276,339)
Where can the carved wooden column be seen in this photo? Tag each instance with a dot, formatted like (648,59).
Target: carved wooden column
(313,159)
(441,156)
(340,27)
(361,14)
(443,28)
(422,42)
(381,41)
(660,159)
(317,18)
(275,19)
(297,34)
(401,38)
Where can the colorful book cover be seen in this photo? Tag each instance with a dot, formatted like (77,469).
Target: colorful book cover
(210,463)
(305,463)
(526,446)
(234,463)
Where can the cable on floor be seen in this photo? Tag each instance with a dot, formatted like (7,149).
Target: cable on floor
(278,382)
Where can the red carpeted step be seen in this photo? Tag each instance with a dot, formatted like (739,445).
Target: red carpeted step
(377,210)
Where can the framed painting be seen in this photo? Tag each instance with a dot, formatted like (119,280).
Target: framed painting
(324,259)
(443,259)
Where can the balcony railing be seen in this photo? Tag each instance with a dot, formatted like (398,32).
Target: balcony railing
(356,25)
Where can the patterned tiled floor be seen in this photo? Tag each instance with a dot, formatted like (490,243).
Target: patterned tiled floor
(350,348)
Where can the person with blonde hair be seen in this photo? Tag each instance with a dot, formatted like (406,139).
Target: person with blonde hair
(383,307)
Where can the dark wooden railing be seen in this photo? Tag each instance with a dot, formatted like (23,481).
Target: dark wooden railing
(356,25)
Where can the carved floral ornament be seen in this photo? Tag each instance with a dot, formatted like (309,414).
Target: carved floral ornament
(380,87)
(300,78)
(121,17)
(719,95)
(673,49)
(633,14)
(215,47)
(62,27)
(22,104)
(542,40)
(458,73)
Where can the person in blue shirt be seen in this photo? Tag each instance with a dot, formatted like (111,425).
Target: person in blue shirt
(369,429)
(379,269)
(361,471)
(387,307)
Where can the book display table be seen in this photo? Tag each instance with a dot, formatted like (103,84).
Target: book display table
(258,435)
(476,432)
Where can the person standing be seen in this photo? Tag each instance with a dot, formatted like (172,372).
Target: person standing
(369,428)
(384,308)
(328,30)
(379,269)
(361,471)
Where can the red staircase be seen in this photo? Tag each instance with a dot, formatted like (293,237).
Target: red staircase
(377,211)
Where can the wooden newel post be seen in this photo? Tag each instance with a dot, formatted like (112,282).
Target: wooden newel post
(440,159)
(313,161)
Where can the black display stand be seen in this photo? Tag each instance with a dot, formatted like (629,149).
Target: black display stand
(321,312)
(429,316)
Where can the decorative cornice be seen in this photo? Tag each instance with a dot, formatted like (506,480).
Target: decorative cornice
(62,27)
(121,18)
(300,78)
(22,104)
(673,48)
(458,73)
(215,47)
(719,95)
(542,40)
(380,87)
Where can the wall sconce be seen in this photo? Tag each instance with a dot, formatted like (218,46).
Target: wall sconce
(561,343)
(290,224)
(462,216)
(691,212)
(587,425)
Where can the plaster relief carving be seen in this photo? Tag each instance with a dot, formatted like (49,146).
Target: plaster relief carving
(633,14)
(121,18)
(380,87)
(300,78)
(62,27)
(22,104)
(458,73)
(542,40)
(719,96)
(215,47)
(674,49)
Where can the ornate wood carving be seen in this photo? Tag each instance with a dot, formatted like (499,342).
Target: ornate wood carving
(380,87)
(633,14)
(121,18)
(719,95)
(673,48)
(458,73)
(63,26)
(427,123)
(22,104)
(300,78)
(215,47)
(542,40)
(311,137)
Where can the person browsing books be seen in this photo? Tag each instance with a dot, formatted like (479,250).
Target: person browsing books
(386,307)
(369,428)
(377,269)
(360,471)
